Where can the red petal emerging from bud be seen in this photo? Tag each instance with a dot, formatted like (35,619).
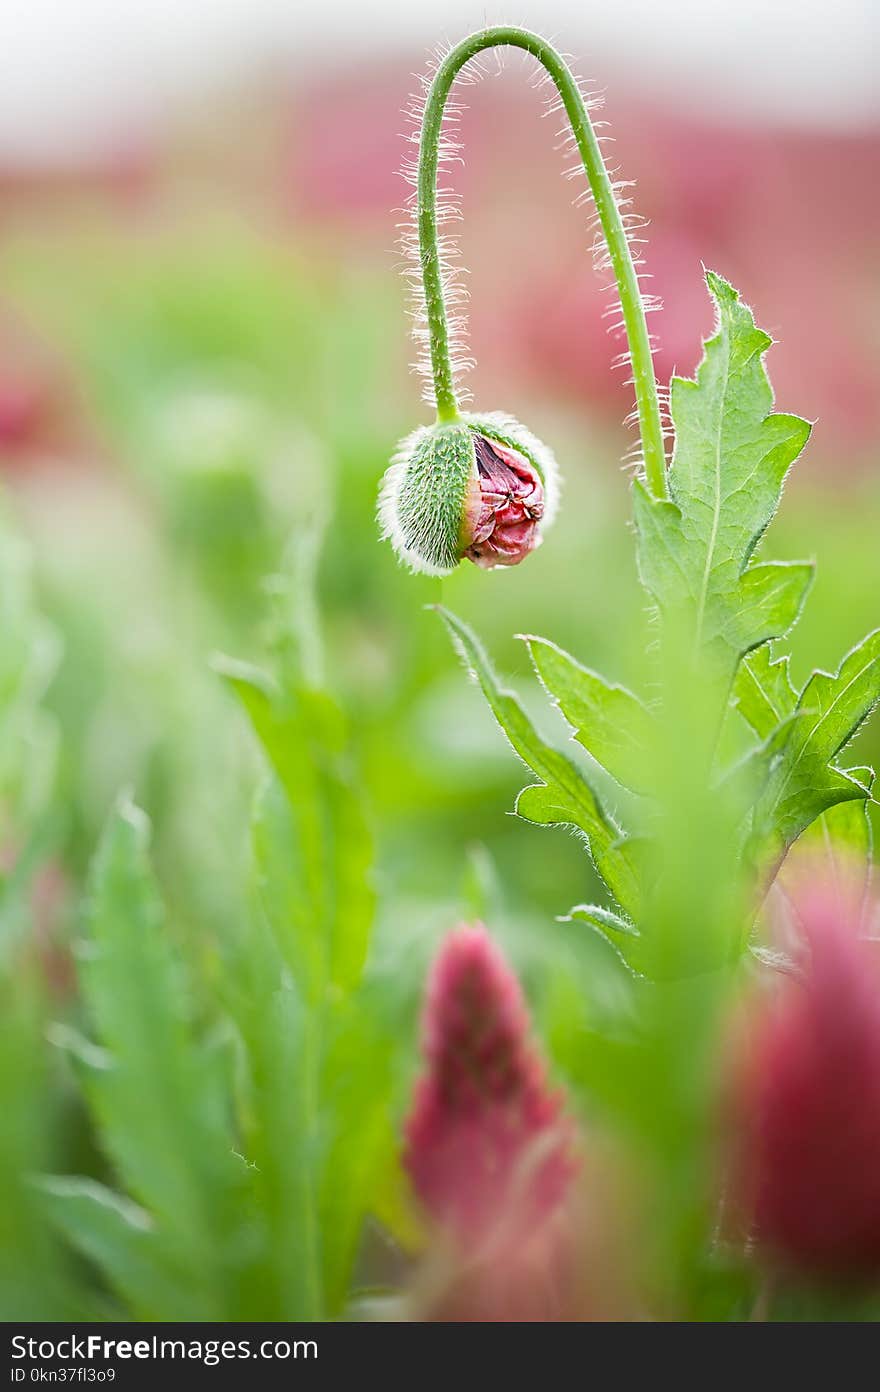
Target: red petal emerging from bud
(504,525)
(808,1103)
(486,1134)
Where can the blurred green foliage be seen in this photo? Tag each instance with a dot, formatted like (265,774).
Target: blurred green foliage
(186,1080)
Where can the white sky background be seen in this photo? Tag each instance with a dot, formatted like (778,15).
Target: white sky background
(73,73)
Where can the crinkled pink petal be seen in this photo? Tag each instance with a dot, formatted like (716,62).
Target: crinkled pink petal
(504,528)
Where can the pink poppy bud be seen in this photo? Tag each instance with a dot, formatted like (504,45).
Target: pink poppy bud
(807,1102)
(480,487)
(503,525)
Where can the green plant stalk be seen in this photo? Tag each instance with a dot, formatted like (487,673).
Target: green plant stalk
(311,1243)
(632,306)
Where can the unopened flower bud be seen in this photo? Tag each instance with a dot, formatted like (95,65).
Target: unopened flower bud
(807,1102)
(525,1221)
(484,1101)
(480,487)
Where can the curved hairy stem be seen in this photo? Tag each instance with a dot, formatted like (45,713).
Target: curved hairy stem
(650,425)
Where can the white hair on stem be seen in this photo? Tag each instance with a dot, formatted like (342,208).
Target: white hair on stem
(449,213)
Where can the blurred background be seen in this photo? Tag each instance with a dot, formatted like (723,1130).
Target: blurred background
(203,341)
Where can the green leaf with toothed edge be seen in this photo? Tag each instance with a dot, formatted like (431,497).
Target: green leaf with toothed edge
(563,797)
(764,693)
(846,827)
(747,778)
(842,840)
(612,724)
(312,842)
(160,1103)
(806,782)
(731,455)
(119,1238)
(621,935)
(316,1125)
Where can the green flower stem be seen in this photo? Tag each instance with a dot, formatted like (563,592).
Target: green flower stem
(650,425)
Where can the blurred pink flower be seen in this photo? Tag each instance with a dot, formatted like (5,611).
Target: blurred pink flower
(490,1153)
(38,409)
(20,413)
(328,176)
(807,1100)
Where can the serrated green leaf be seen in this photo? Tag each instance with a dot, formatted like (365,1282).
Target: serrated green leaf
(612,724)
(281,1138)
(355,1084)
(806,782)
(316,1107)
(564,797)
(119,1237)
(764,692)
(842,839)
(622,935)
(748,777)
(847,826)
(771,596)
(283,883)
(161,1107)
(321,903)
(317,1084)
(33,1275)
(730,459)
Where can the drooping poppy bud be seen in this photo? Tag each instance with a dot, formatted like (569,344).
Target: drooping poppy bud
(806,1100)
(489,1150)
(480,487)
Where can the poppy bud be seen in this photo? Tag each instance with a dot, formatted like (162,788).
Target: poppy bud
(480,487)
(807,1102)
